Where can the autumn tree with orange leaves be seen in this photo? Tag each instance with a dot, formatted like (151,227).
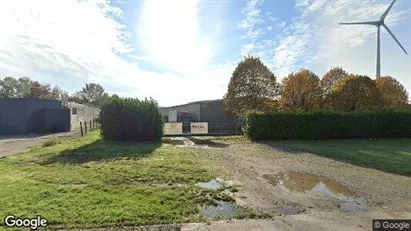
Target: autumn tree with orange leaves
(301,90)
(331,77)
(391,92)
(352,93)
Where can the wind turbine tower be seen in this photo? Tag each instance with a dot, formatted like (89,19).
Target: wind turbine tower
(379,24)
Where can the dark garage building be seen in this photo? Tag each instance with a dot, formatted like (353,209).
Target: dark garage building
(26,115)
(211,111)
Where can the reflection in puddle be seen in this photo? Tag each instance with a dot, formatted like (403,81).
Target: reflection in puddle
(222,209)
(212,184)
(318,185)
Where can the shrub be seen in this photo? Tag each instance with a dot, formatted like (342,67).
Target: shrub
(51,142)
(127,119)
(328,125)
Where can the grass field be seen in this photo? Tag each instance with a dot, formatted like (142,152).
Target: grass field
(89,182)
(389,155)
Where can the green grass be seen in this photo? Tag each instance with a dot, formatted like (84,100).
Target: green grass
(51,142)
(89,182)
(388,155)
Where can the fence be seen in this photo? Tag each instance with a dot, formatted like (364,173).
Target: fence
(212,128)
(92,125)
(225,127)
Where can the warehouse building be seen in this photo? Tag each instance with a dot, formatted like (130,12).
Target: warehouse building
(81,113)
(211,111)
(20,116)
(27,115)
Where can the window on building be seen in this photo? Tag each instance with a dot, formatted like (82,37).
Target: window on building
(74,111)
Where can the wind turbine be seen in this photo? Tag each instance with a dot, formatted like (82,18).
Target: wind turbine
(379,24)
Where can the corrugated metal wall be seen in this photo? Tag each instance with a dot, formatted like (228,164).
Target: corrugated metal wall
(23,116)
(56,120)
(214,111)
(193,108)
(13,116)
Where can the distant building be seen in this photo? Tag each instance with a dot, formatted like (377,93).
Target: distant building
(81,113)
(211,111)
(29,115)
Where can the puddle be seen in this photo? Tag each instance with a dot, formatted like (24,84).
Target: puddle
(222,209)
(194,142)
(317,185)
(212,184)
(181,141)
(208,143)
(352,205)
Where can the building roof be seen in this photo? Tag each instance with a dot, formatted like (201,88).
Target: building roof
(195,102)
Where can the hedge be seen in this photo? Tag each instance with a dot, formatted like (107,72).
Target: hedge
(328,125)
(127,119)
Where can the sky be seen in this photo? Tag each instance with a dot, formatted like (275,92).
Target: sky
(179,51)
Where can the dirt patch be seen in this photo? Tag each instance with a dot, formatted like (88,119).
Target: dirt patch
(208,143)
(330,194)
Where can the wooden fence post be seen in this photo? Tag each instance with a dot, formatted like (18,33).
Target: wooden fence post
(81,129)
(91,126)
(85,126)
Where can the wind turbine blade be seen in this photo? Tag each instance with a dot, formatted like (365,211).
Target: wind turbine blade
(386,27)
(387,11)
(358,23)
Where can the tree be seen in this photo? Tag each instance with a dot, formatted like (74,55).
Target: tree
(331,77)
(353,92)
(92,94)
(251,85)
(23,89)
(56,93)
(391,92)
(301,91)
(64,95)
(40,91)
(9,87)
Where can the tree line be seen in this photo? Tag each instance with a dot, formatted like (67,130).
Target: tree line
(91,94)
(254,87)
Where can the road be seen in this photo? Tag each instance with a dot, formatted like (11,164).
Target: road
(12,145)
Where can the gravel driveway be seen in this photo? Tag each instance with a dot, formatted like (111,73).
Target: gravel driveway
(12,145)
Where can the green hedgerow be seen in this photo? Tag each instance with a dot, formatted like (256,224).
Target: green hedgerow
(328,125)
(128,119)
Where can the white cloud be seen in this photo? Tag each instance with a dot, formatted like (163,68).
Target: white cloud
(250,23)
(169,33)
(314,38)
(252,15)
(281,25)
(70,43)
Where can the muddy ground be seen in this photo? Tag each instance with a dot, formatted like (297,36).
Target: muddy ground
(251,166)
(255,169)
